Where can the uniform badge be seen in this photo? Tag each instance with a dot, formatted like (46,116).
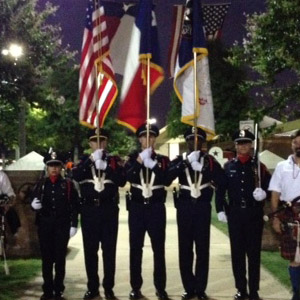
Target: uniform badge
(242,133)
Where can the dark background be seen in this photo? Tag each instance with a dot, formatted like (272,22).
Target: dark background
(71,17)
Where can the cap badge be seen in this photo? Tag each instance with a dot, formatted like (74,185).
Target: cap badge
(242,133)
(53,155)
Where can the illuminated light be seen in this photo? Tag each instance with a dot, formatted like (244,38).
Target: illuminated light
(15,50)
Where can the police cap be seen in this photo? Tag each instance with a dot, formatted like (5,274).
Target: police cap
(243,136)
(92,134)
(53,159)
(153,129)
(190,134)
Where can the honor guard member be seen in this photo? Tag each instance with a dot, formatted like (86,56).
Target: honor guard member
(244,212)
(55,201)
(146,172)
(285,187)
(99,176)
(196,173)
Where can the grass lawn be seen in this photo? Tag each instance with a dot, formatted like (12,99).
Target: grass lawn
(21,272)
(271,260)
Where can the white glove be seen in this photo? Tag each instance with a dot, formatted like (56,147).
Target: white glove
(146,153)
(197,166)
(149,163)
(73,231)
(259,194)
(193,156)
(222,217)
(97,154)
(36,204)
(101,164)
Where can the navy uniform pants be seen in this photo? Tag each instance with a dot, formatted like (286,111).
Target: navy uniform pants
(100,226)
(245,232)
(53,238)
(193,220)
(150,218)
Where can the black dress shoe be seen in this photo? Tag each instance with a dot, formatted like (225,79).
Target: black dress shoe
(202,296)
(162,295)
(188,295)
(254,296)
(241,296)
(109,294)
(46,297)
(135,295)
(59,296)
(90,295)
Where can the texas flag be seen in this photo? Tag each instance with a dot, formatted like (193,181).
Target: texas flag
(143,45)
(193,41)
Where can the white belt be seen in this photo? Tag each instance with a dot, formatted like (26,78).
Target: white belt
(201,187)
(154,187)
(92,181)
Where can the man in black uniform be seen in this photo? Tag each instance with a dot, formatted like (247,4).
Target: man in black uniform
(196,173)
(245,214)
(146,172)
(99,176)
(55,200)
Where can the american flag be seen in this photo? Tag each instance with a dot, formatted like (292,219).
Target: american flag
(213,17)
(97,85)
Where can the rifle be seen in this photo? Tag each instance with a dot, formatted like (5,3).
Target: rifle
(4,200)
(256,159)
(283,207)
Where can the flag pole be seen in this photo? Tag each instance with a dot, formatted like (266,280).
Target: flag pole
(98,80)
(195,109)
(148,112)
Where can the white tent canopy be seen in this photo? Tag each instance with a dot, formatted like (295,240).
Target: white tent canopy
(270,159)
(30,162)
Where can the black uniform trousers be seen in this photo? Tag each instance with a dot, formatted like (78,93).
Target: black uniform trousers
(100,225)
(149,218)
(245,232)
(53,238)
(193,220)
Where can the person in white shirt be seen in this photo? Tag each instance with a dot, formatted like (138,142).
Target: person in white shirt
(285,186)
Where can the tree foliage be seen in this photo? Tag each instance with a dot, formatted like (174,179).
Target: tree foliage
(271,50)
(27,78)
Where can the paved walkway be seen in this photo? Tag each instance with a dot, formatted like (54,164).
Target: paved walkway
(220,283)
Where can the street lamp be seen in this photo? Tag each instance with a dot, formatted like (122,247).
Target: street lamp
(14,50)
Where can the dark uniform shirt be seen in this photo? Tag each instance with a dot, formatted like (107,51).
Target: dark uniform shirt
(59,199)
(114,177)
(240,183)
(133,169)
(211,173)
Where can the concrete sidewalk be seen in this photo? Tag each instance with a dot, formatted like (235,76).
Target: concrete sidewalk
(220,283)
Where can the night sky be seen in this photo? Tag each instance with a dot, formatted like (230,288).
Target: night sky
(71,16)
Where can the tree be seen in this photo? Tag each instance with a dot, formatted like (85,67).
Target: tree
(231,104)
(24,83)
(271,51)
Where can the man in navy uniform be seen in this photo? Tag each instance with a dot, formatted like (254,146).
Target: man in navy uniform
(99,177)
(146,172)
(194,211)
(55,201)
(244,213)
